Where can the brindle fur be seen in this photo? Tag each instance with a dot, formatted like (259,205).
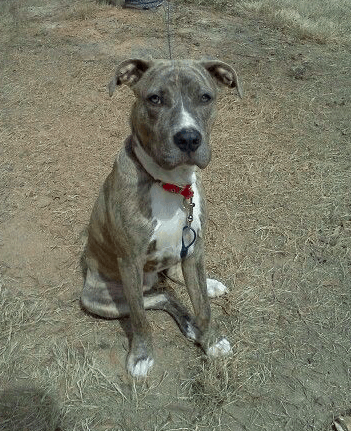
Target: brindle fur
(120,244)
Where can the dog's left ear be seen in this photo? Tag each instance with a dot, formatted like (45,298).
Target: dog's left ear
(128,72)
(224,74)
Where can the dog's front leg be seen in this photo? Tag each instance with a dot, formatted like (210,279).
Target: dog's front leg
(195,280)
(140,357)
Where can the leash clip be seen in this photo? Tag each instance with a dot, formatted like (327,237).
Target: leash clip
(187,229)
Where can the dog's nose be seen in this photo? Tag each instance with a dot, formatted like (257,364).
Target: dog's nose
(187,140)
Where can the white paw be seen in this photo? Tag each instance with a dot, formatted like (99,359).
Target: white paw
(141,367)
(215,288)
(342,423)
(221,348)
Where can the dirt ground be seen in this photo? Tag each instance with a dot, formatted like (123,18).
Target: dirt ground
(279,234)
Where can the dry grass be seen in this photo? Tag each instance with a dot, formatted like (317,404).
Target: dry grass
(321,21)
(279,231)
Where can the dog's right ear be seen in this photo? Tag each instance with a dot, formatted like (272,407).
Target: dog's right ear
(128,72)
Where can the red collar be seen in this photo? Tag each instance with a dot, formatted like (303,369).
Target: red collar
(186,191)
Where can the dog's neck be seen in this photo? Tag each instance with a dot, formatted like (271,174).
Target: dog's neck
(180,176)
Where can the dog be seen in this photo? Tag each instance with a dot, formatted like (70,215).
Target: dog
(150,214)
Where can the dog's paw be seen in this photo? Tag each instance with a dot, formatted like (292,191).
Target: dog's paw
(342,423)
(215,288)
(220,348)
(139,367)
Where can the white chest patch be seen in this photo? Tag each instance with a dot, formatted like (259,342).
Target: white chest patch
(169,216)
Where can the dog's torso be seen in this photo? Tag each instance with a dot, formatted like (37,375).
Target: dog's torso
(152,224)
(169,216)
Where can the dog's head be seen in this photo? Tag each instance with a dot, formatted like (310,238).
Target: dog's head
(175,106)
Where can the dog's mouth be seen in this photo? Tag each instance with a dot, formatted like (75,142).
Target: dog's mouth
(200,162)
(171,161)
(200,157)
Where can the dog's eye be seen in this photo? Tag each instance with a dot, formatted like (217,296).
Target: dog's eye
(205,98)
(155,99)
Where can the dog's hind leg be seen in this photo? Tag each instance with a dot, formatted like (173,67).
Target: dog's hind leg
(166,302)
(105,298)
(214,287)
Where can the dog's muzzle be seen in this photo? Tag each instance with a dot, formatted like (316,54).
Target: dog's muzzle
(187,140)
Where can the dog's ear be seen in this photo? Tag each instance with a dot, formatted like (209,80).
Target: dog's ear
(224,74)
(128,72)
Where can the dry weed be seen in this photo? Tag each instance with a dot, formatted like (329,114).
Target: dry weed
(82,11)
(321,21)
